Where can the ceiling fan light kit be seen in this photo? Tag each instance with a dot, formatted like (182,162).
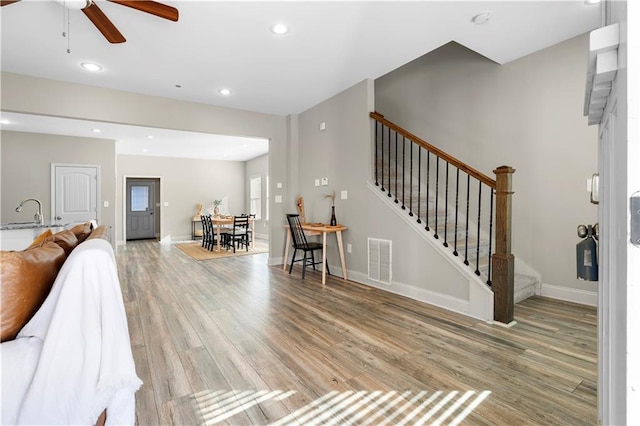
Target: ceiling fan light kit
(103,24)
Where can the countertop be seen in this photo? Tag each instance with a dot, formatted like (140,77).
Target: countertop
(29,225)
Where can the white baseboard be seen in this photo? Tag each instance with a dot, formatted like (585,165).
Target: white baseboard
(437,299)
(583,297)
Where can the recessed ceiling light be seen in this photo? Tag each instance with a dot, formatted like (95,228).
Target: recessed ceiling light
(145,150)
(5,121)
(224,92)
(89,66)
(591,2)
(482,17)
(96,130)
(150,137)
(279,29)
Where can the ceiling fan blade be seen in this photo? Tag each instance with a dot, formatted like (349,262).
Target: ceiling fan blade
(152,7)
(103,24)
(8,2)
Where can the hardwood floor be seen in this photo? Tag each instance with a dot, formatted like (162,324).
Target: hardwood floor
(234,341)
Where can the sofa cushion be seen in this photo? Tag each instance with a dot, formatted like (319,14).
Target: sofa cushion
(102,231)
(82,231)
(40,239)
(25,280)
(65,239)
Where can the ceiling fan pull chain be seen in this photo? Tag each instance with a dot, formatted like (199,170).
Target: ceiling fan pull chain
(68,31)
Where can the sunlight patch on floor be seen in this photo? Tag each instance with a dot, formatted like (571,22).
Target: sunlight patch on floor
(346,408)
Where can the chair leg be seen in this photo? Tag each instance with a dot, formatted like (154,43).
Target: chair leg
(304,264)
(313,260)
(293,259)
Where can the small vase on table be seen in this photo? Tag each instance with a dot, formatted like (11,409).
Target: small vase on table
(333,221)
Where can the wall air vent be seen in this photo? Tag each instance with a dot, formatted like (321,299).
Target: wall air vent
(379,260)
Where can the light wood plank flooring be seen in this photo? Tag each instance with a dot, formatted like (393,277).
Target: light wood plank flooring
(234,341)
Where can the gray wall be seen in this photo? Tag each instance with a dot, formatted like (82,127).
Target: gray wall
(26,171)
(526,114)
(343,154)
(184,183)
(32,95)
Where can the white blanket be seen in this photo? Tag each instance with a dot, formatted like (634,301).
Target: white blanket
(74,357)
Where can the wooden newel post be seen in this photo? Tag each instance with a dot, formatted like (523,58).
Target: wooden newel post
(502,261)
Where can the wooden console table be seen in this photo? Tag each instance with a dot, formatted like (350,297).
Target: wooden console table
(318,230)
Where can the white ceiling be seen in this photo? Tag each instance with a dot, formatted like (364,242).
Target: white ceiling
(330,47)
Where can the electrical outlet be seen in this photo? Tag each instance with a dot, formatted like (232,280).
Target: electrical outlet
(343,195)
(317,182)
(324,181)
(348,247)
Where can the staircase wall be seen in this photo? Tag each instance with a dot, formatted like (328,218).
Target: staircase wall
(343,153)
(527,114)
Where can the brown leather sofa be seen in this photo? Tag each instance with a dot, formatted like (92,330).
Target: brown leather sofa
(28,275)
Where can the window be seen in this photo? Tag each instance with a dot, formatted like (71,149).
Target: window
(139,198)
(256,197)
(266,197)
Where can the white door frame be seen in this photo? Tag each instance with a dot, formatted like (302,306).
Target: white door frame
(124,202)
(53,187)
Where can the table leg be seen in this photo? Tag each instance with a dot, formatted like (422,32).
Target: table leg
(341,250)
(324,258)
(286,250)
(218,236)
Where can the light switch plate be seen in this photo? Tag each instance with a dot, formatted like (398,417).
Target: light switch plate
(166,204)
(105,204)
(278,199)
(279,185)
(317,182)
(343,195)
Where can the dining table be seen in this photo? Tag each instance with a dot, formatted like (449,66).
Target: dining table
(221,221)
(321,229)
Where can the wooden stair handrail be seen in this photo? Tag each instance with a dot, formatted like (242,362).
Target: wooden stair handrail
(448,158)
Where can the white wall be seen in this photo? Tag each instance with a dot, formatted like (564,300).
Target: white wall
(526,114)
(184,183)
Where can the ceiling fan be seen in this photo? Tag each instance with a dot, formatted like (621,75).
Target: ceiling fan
(103,24)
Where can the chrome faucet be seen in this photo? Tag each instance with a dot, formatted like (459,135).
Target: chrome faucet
(36,217)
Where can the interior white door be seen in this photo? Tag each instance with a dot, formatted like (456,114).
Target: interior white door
(75,193)
(140,209)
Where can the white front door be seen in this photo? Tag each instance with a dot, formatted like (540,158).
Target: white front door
(75,190)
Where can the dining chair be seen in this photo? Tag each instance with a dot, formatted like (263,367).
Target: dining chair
(252,216)
(300,242)
(239,234)
(207,232)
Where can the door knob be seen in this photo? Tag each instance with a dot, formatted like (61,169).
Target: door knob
(58,218)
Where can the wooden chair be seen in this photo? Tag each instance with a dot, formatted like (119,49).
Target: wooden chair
(239,234)
(300,242)
(208,233)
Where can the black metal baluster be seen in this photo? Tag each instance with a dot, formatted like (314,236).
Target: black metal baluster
(466,237)
(426,220)
(389,166)
(490,234)
(382,162)
(446,204)
(455,228)
(396,170)
(376,153)
(419,177)
(404,172)
(435,226)
(478,237)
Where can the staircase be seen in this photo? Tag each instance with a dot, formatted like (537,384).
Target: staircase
(467,211)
